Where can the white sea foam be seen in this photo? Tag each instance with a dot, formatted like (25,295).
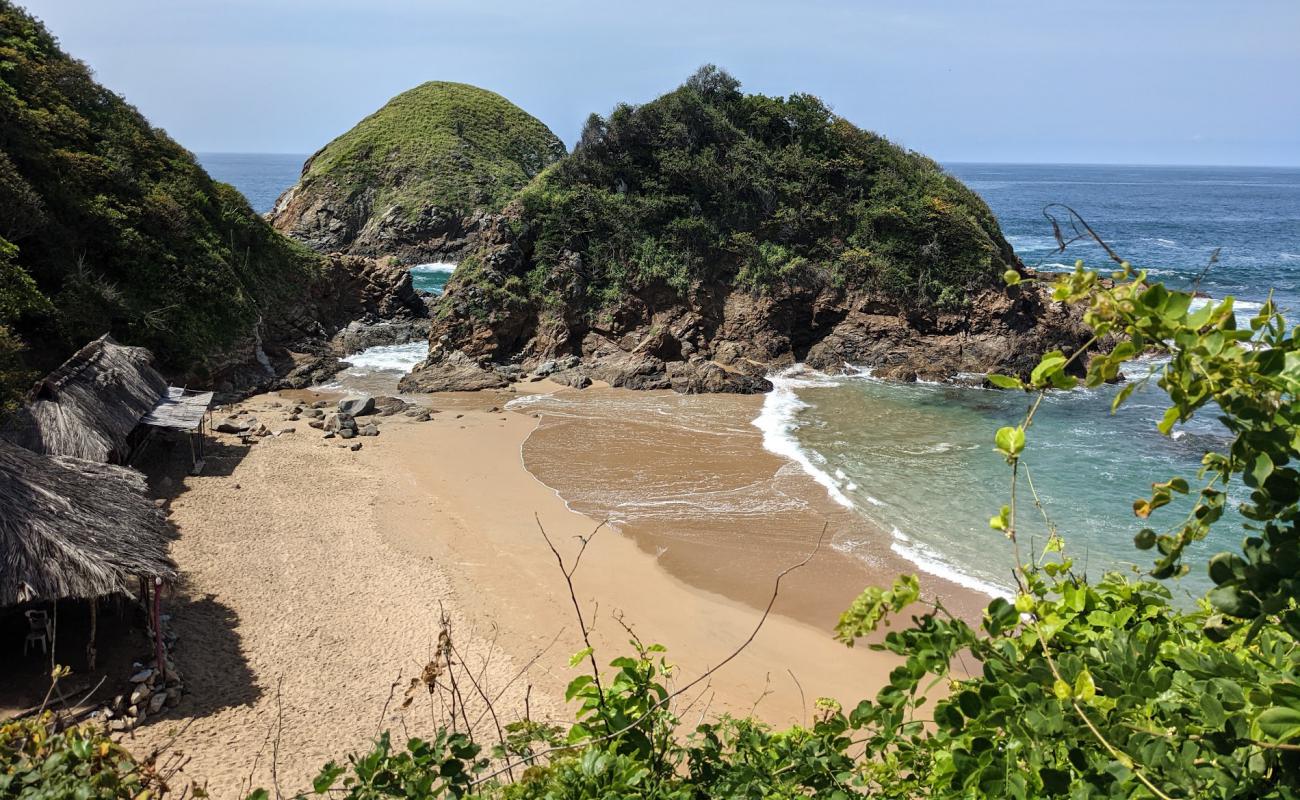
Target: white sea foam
(390,357)
(1032,242)
(931,562)
(778,424)
(432,267)
(777,421)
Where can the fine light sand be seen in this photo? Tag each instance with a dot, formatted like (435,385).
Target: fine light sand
(315,578)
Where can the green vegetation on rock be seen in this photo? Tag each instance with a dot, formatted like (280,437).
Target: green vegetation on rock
(447,145)
(106,224)
(708,185)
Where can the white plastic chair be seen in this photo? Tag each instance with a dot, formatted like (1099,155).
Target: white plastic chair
(41,631)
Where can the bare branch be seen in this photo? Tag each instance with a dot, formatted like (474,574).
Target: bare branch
(706,675)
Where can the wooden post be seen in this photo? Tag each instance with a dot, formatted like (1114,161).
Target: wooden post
(157,628)
(90,646)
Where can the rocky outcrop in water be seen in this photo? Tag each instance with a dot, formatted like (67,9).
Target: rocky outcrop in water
(727,341)
(702,240)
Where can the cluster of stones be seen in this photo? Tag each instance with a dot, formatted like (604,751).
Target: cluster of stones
(248,428)
(150,692)
(334,420)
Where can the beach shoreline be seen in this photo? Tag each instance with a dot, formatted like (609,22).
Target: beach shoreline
(335,585)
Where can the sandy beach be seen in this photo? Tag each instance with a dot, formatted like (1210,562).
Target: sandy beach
(316,578)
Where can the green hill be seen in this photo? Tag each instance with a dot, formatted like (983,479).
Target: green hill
(106,224)
(707,184)
(412,173)
(745,230)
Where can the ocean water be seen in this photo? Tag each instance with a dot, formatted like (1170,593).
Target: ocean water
(262,177)
(918,461)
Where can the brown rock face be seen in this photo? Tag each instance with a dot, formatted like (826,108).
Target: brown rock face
(330,219)
(291,348)
(720,338)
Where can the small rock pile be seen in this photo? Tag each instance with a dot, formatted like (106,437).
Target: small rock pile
(340,423)
(150,693)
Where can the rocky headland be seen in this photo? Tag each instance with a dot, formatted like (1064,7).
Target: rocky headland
(708,238)
(418,178)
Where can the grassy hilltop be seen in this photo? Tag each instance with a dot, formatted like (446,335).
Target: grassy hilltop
(414,178)
(446,144)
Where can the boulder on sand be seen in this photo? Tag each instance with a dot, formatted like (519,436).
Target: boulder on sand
(452,372)
(231,425)
(357,406)
(340,422)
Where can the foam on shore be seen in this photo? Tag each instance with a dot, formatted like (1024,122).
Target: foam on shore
(777,420)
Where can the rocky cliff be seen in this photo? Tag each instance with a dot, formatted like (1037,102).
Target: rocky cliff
(356,303)
(709,237)
(416,178)
(108,225)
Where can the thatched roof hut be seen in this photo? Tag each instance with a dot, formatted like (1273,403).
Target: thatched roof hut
(75,528)
(88,407)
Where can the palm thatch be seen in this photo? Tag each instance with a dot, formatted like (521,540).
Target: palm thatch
(75,528)
(88,407)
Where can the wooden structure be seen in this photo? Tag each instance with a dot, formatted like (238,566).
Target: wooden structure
(94,406)
(72,528)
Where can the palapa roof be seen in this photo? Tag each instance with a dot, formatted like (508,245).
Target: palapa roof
(88,407)
(75,528)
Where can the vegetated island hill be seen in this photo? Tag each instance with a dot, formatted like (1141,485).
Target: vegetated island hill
(416,178)
(108,225)
(708,237)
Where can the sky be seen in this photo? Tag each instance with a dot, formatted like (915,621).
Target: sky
(1131,82)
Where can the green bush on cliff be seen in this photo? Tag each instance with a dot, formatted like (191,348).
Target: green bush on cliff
(447,145)
(106,224)
(707,184)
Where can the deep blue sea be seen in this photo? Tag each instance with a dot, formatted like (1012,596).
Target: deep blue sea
(917,460)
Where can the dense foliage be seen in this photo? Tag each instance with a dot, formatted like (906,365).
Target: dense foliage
(41,761)
(106,224)
(450,146)
(707,184)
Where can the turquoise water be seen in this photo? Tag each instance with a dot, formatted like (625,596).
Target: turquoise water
(917,460)
(431,278)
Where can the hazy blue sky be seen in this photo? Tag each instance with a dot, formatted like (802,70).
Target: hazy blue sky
(1121,82)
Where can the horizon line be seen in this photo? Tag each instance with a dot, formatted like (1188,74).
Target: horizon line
(1170,164)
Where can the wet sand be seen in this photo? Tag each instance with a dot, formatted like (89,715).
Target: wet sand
(688,480)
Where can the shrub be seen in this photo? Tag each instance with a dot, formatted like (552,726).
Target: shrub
(40,761)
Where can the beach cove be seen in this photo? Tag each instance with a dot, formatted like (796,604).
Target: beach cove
(335,569)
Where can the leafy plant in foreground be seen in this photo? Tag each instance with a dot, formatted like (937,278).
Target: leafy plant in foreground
(41,761)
